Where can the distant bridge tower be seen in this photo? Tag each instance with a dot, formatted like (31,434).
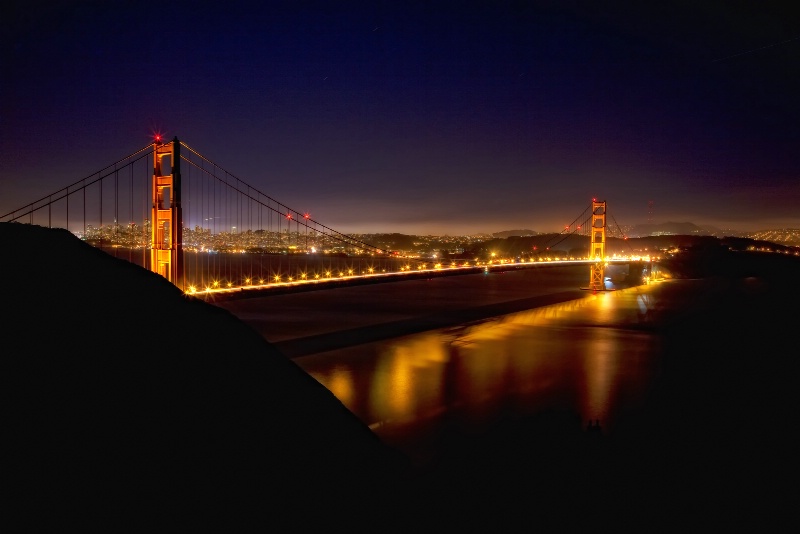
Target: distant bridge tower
(597,246)
(166,243)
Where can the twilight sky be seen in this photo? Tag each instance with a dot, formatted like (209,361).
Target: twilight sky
(422,117)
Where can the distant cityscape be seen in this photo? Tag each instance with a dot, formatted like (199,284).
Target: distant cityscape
(781,236)
(787,236)
(265,241)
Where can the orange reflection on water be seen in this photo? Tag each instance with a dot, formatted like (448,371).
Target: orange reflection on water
(599,365)
(340,383)
(408,377)
(579,357)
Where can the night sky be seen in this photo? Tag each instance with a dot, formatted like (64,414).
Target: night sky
(422,117)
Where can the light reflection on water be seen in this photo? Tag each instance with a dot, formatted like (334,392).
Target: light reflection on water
(588,357)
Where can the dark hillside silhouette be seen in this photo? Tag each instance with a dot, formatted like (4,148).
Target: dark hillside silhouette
(130,406)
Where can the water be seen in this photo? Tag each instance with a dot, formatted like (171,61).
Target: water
(703,365)
(594,357)
(488,383)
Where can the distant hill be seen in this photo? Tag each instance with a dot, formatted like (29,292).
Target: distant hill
(782,236)
(674,228)
(514,233)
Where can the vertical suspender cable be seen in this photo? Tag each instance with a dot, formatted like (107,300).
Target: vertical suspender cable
(101,214)
(116,200)
(130,210)
(146,238)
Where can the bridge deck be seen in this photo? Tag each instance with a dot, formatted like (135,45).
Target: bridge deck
(306,323)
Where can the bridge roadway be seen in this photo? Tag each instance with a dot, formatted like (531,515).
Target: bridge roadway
(309,322)
(220,292)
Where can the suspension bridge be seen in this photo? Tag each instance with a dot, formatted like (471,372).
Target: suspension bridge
(173,211)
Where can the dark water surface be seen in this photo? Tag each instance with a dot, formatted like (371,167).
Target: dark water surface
(586,356)
(489,382)
(412,359)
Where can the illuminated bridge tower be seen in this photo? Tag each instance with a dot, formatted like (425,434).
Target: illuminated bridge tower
(166,243)
(597,247)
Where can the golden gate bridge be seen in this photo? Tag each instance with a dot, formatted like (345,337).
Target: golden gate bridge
(175,212)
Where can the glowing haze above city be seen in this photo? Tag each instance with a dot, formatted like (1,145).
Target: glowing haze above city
(427,118)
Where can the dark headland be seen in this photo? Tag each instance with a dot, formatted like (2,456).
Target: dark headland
(131,407)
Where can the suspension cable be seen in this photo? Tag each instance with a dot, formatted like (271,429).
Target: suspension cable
(344,237)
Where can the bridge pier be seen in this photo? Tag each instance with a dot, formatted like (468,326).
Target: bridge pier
(597,249)
(637,272)
(166,242)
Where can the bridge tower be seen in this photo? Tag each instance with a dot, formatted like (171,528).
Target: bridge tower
(597,247)
(166,222)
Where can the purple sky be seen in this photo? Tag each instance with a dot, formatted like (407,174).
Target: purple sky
(422,117)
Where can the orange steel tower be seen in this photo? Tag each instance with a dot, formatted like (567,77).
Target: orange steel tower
(166,243)
(598,246)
